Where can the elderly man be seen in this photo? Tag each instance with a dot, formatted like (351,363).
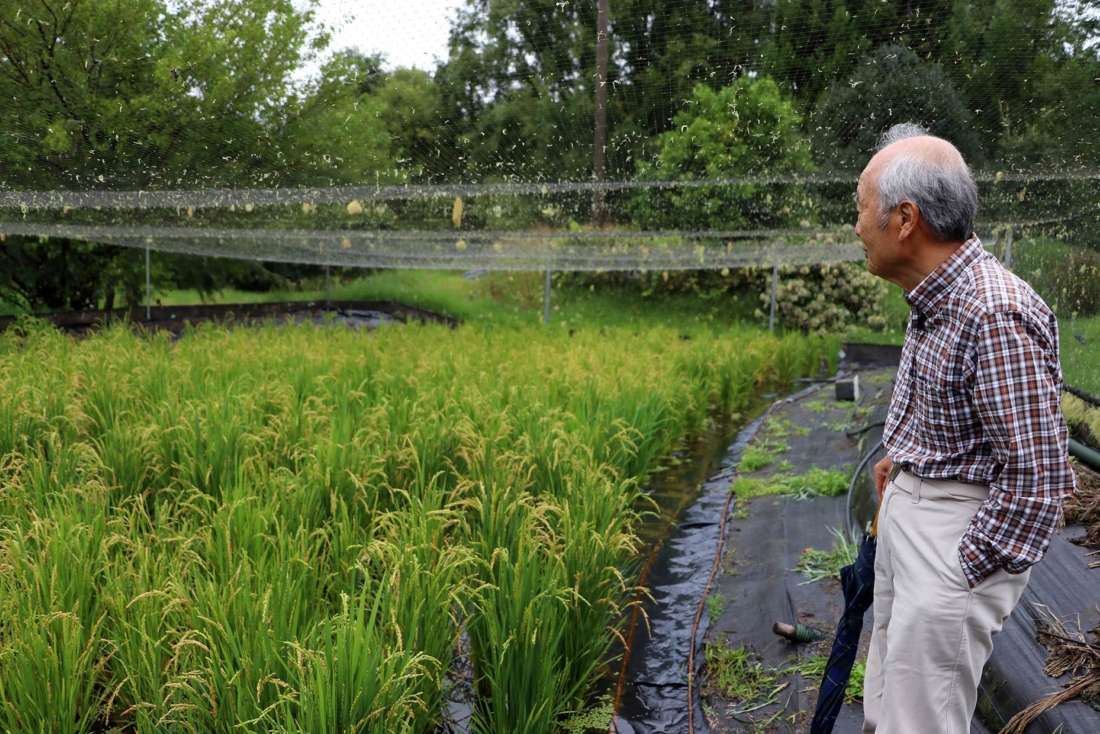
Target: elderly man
(976,470)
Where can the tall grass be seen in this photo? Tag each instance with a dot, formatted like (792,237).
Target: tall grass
(290,529)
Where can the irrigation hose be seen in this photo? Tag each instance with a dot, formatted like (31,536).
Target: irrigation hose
(1087,456)
(1087,397)
(860,431)
(852,486)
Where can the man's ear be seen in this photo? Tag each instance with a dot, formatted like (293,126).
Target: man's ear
(908,219)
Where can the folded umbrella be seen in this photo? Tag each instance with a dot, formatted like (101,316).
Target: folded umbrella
(858,583)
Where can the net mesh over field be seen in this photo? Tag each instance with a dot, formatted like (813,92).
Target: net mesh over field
(705,134)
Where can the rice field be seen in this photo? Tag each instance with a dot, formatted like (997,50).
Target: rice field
(295,529)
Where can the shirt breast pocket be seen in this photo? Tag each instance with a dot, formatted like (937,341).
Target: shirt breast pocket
(944,414)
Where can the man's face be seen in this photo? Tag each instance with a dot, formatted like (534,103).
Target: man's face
(877,243)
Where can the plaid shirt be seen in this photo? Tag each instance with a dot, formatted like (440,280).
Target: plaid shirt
(977,400)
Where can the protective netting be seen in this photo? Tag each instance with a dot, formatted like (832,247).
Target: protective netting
(446,251)
(689,134)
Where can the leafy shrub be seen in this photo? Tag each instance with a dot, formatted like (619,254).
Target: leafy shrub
(747,128)
(893,85)
(810,298)
(823,298)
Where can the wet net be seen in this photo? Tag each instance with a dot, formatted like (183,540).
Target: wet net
(633,135)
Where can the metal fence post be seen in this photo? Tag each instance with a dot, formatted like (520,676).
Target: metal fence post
(148,288)
(775,289)
(546,298)
(1008,249)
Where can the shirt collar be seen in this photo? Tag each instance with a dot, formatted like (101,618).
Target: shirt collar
(926,296)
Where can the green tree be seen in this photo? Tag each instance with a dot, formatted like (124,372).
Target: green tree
(145,94)
(62,274)
(518,85)
(892,85)
(411,109)
(1061,122)
(745,129)
(336,132)
(114,94)
(994,49)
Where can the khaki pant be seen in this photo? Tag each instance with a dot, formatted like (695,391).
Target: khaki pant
(932,634)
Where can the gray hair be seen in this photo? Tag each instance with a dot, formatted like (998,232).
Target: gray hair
(945,193)
(901,131)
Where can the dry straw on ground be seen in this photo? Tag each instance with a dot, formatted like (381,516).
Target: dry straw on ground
(1084,508)
(1069,652)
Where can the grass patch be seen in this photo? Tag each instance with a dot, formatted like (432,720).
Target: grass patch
(1080,345)
(509,299)
(755,458)
(817,482)
(739,675)
(813,669)
(749,487)
(436,290)
(716,604)
(778,429)
(1083,419)
(814,483)
(817,565)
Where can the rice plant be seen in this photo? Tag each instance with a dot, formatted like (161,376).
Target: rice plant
(290,528)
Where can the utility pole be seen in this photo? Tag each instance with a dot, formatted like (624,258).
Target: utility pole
(599,145)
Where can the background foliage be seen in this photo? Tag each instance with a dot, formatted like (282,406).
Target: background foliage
(151,94)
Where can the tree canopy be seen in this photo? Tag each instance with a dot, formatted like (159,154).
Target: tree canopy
(745,129)
(190,94)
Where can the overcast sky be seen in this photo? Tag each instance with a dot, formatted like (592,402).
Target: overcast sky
(407,32)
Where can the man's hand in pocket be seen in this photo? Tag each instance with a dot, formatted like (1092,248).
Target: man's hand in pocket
(882,472)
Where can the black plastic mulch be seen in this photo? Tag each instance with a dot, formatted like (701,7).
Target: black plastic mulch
(766,538)
(759,586)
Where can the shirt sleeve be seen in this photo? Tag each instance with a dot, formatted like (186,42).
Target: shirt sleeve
(1017,395)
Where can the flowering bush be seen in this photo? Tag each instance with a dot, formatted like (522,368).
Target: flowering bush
(824,298)
(810,298)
